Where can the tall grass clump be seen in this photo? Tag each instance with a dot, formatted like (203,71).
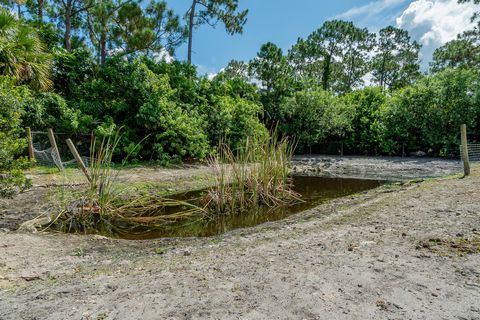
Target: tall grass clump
(255,174)
(106,205)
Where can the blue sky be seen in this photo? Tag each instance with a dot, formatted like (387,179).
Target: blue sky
(432,22)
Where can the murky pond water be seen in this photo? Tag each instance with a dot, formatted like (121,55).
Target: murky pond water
(314,191)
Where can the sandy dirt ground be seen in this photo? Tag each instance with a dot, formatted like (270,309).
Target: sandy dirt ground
(404,251)
(390,168)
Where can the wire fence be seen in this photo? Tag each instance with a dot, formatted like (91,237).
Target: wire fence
(473,152)
(45,154)
(401,149)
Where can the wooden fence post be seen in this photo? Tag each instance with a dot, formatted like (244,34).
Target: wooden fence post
(466,160)
(53,143)
(31,154)
(79,160)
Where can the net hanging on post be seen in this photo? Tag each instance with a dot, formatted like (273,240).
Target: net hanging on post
(45,155)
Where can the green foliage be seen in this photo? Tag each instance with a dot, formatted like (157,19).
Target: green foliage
(235,70)
(71,69)
(367,127)
(120,78)
(49,110)
(22,54)
(270,67)
(182,78)
(428,114)
(311,116)
(151,29)
(463,52)
(335,56)
(232,119)
(12,144)
(133,96)
(396,63)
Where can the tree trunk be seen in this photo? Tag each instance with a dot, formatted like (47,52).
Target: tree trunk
(326,72)
(40,10)
(382,74)
(68,26)
(190,30)
(103,47)
(351,73)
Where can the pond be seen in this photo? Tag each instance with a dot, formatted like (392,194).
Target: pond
(314,191)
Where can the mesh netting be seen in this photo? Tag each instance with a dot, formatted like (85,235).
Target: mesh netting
(45,155)
(473,152)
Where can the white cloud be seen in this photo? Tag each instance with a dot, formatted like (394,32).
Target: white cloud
(163,55)
(435,22)
(371,9)
(211,76)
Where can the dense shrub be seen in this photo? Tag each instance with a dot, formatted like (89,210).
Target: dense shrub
(12,145)
(427,115)
(367,126)
(130,95)
(315,115)
(71,69)
(230,111)
(232,120)
(44,110)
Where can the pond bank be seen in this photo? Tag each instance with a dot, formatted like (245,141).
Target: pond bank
(400,252)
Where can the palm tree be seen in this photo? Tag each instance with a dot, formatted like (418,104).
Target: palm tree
(23,56)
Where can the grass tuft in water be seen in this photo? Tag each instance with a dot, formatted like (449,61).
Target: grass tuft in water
(256,174)
(106,205)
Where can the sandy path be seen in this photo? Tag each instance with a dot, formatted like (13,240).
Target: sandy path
(362,257)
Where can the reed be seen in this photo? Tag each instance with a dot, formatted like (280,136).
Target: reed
(256,174)
(106,204)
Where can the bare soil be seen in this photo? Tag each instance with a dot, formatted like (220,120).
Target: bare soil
(404,251)
(389,168)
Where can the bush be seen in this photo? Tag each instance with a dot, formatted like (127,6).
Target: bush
(49,110)
(130,95)
(233,120)
(12,146)
(367,127)
(429,113)
(311,116)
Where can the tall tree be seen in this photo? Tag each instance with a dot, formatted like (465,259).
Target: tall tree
(355,59)
(463,52)
(211,12)
(236,69)
(37,8)
(155,30)
(34,8)
(337,55)
(396,63)
(100,18)
(271,70)
(69,12)
(307,61)
(22,54)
